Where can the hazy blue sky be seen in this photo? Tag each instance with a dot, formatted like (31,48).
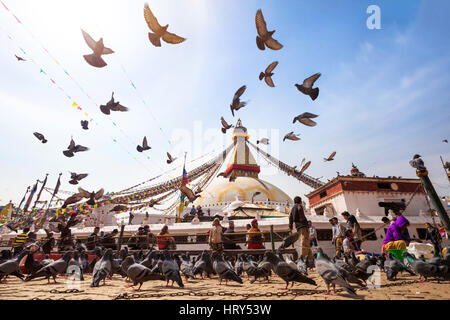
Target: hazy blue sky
(384,94)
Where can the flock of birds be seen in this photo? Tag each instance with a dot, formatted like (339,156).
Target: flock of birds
(141,267)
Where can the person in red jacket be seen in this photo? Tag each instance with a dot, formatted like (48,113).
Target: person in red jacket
(255,237)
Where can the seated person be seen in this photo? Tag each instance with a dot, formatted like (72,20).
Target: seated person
(255,237)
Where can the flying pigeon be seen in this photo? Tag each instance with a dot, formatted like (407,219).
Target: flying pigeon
(102,268)
(307,86)
(286,272)
(264,37)
(225,125)
(144,146)
(223,269)
(19,58)
(170,159)
(305,167)
(159,31)
(84,124)
(417,163)
(305,119)
(330,157)
(445,140)
(237,104)
(74,177)
(267,74)
(95,59)
(291,136)
(111,105)
(263,141)
(40,137)
(73,148)
(92,196)
(189,193)
(72,199)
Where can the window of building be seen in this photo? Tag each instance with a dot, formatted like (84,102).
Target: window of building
(323,194)
(319,211)
(383,185)
(324,234)
(422,233)
(372,235)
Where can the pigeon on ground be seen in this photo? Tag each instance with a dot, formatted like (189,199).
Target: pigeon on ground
(417,163)
(74,148)
(307,86)
(263,141)
(286,272)
(127,262)
(52,269)
(84,124)
(330,157)
(144,146)
(170,159)
(267,74)
(331,274)
(424,269)
(11,267)
(236,103)
(102,268)
(5,255)
(305,166)
(225,125)
(239,265)
(393,266)
(302,265)
(289,240)
(92,196)
(31,265)
(138,274)
(40,137)
(19,58)
(187,267)
(305,118)
(159,31)
(74,266)
(75,178)
(171,271)
(46,261)
(95,59)
(204,265)
(348,272)
(84,261)
(223,269)
(264,37)
(263,270)
(291,136)
(112,105)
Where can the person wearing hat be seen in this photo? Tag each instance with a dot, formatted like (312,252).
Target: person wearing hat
(297,217)
(338,235)
(215,236)
(255,237)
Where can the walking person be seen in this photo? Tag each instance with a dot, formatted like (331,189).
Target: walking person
(297,217)
(312,234)
(337,236)
(353,225)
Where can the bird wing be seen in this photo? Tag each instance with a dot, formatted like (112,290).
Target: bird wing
(269,81)
(99,194)
(80,148)
(151,20)
(118,107)
(84,193)
(170,157)
(172,38)
(71,145)
(332,155)
(224,123)
(239,92)
(271,67)
(308,122)
(107,50)
(90,42)
(144,143)
(305,167)
(261,26)
(309,82)
(38,135)
(273,44)
(309,115)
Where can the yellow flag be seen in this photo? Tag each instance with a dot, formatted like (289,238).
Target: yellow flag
(74,104)
(6,211)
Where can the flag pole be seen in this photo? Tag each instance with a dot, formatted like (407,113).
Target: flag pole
(182,175)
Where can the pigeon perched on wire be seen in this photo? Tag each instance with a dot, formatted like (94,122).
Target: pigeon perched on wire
(263,141)
(144,146)
(264,37)
(305,118)
(417,163)
(74,148)
(225,125)
(267,74)
(111,105)
(40,137)
(170,159)
(19,58)
(330,157)
(75,178)
(307,86)
(237,104)
(291,136)
(84,124)
(160,32)
(95,59)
